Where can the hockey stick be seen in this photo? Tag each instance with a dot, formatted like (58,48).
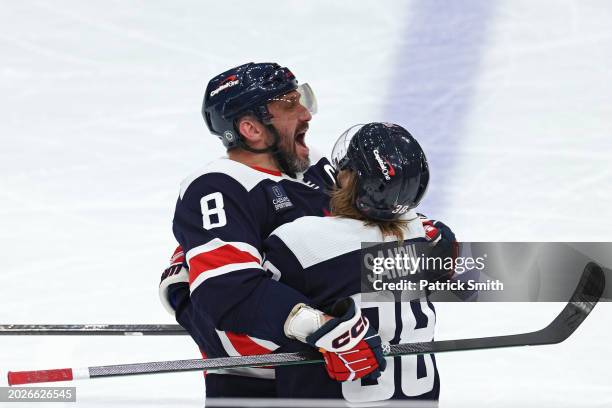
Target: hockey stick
(582,302)
(92,329)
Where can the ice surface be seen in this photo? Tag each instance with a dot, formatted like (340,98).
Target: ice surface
(99,122)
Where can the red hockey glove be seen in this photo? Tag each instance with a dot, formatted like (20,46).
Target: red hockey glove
(436,231)
(364,360)
(351,347)
(444,241)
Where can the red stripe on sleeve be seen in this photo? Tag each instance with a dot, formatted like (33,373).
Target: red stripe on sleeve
(224,255)
(178,255)
(245,345)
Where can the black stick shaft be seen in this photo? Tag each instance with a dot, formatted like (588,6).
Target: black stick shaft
(92,329)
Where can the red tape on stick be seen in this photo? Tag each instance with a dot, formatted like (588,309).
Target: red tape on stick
(39,376)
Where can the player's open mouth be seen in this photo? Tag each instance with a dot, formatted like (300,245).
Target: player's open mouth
(300,144)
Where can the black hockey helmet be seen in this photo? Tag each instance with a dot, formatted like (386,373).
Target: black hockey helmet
(391,168)
(247,89)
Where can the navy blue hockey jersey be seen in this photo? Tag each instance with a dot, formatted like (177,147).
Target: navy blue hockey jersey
(320,257)
(223,214)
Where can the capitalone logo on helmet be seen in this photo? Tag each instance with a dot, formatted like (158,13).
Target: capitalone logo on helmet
(228,83)
(387,172)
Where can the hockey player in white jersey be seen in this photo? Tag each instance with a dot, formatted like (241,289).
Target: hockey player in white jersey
(383,177)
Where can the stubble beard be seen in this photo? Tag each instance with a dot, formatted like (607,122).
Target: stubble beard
(293,162)
(288,159)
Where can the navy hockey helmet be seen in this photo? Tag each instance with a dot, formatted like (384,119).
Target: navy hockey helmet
(247,89)
(391,167)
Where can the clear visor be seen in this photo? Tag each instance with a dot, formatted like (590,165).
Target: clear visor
(338,155)
(307,98)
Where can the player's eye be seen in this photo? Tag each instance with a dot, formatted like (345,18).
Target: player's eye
(293,102)
(288,103)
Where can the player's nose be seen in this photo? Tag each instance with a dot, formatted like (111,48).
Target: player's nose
(305,114)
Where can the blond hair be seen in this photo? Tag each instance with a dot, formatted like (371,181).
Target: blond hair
(342,204)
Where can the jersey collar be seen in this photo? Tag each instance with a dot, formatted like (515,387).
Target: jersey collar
(268,171)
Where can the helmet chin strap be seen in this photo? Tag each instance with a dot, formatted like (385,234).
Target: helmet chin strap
(277,154)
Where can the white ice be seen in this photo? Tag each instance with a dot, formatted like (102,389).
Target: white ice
(99,122)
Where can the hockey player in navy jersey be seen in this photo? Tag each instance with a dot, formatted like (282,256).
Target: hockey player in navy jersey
(217,286)
(383,177)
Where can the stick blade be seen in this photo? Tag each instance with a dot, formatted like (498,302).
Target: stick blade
(588,292)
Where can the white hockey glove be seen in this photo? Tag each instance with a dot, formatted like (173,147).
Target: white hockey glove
(174,284)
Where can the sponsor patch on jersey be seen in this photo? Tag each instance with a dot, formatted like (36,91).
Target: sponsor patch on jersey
(278,196)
